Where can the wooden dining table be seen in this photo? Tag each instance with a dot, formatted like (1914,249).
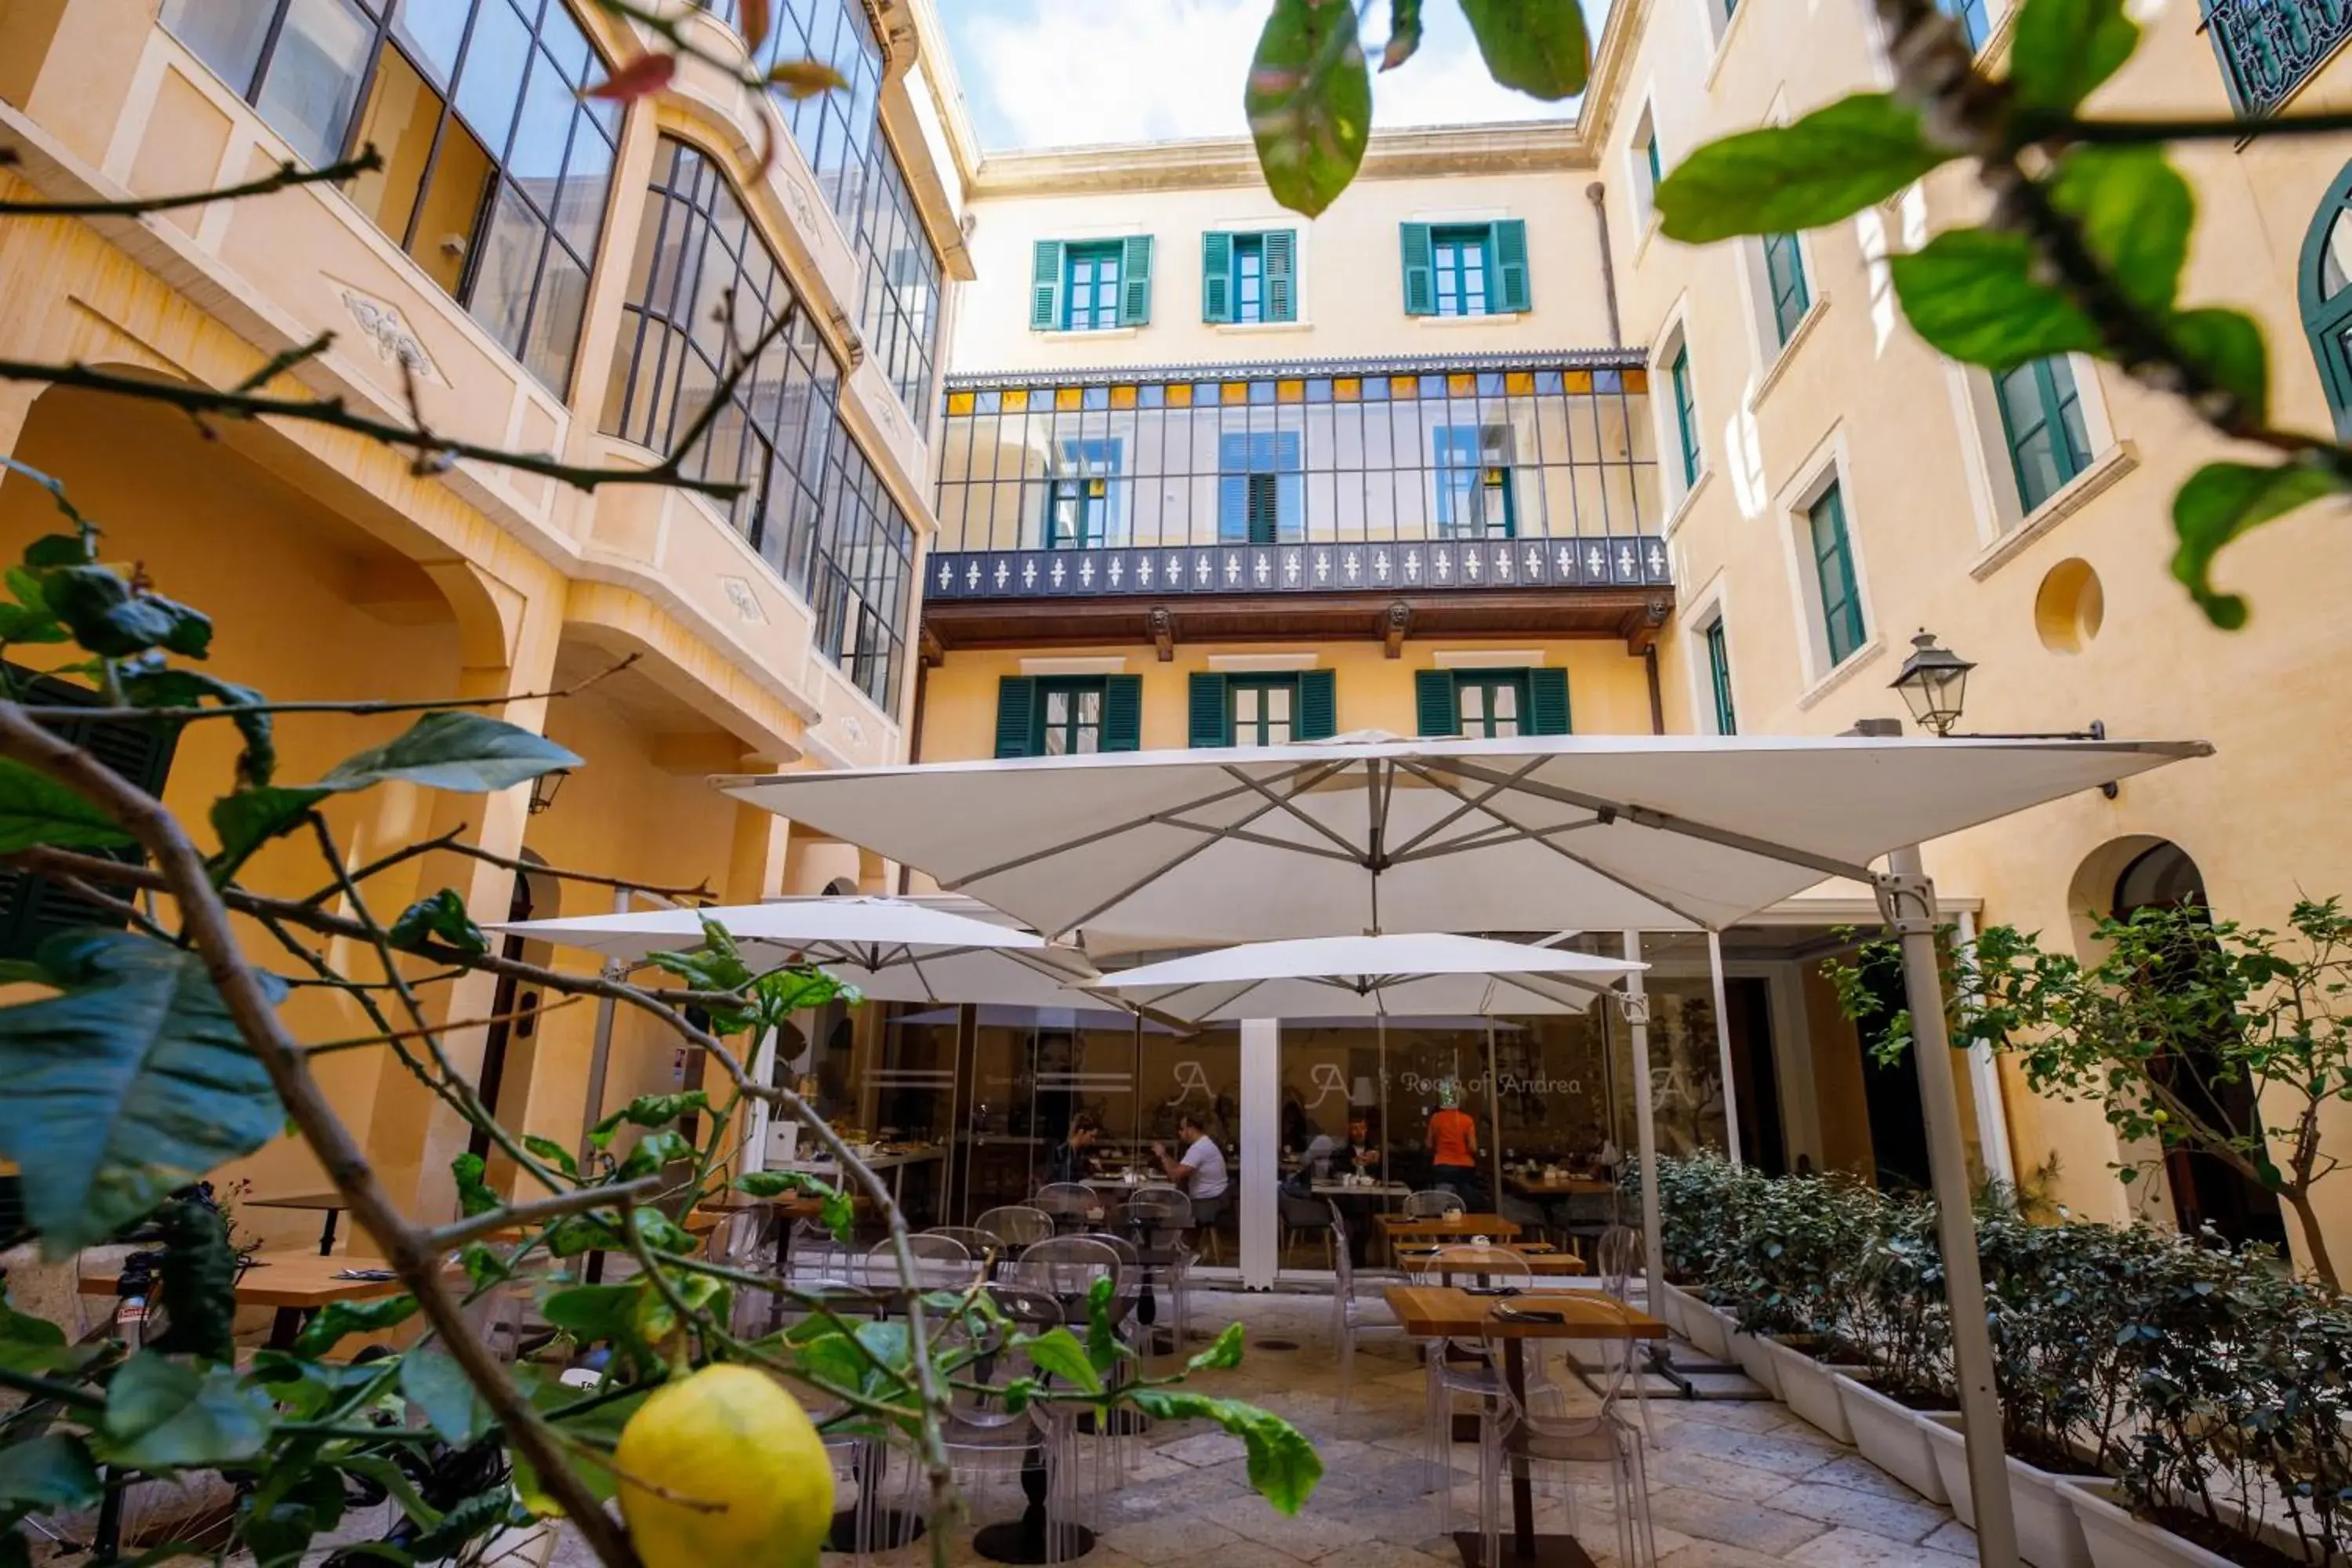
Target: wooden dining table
(1452,1227)
(1539,1187)
(1539,1258)
(295,1282)
(1438,1312)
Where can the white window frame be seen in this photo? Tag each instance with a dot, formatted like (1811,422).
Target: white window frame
(1710,605)
(1993,498)
(1641,188)
(1828,464)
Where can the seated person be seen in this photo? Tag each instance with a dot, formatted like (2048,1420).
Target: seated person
(1199,1169)
(1071,1159)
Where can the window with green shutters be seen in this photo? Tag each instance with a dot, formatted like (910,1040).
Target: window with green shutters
(1466,269)
(1248,279)
(2042,418)
(1784,271)
(2324,293)
(1491,704)
(1842,624)
(33,909)
(1058,715)
(1685,414)
(1719,676)
(1262,709)
(1085,285)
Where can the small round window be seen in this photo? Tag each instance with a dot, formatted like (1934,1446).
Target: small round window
(2070,606)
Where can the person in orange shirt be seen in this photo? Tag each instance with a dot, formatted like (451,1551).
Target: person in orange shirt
(1454,1147)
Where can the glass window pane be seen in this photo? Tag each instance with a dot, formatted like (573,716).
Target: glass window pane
(226,35)
(314,76)
(509,262)
(432,30)
(491,79)
(555,322)
(535,162)
(580,210)
(2335,261)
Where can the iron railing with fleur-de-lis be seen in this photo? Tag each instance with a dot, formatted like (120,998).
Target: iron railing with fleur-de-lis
(2268,48)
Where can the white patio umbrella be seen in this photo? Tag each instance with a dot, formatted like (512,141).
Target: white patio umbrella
(1530,833)
(1369,976)
(893,949)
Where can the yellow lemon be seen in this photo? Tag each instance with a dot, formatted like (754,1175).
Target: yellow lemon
(721,1469)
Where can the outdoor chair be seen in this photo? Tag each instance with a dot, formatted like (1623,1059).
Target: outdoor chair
(1517,1435)
(1125,1296)
(942,1263)
(1302,1215)
(1016,1224)
(1351,1318)
(1070,1204)
(1162,1217)
(985,1245)
(1434,1203)
(1590,1215)
(988,1440)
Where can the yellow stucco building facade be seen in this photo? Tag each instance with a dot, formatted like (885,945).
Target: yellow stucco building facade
(1101,448)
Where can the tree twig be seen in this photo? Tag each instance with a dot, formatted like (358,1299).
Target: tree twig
(622,1194)
(358,710)
(238,985)
(393,1037)
(289,175)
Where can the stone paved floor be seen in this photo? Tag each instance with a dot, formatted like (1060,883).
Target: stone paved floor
(1733,1485)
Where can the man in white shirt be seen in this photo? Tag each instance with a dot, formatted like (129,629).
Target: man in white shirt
(1202,1170)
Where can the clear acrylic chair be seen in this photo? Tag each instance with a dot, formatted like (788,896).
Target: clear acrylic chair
(988,1440)
(1464,1369)
(984,1245)
(1016,1224)
(1434,1203)
(1066,1269)
(1161,1215)
(1602,1437)
(1351,1318)
(1126,1295)
(1069,1203)
(940,1263)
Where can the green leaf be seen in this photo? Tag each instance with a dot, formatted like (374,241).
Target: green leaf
(440,918)
(648,1111)
(28,1344)
(554,1154)
(1970,293)
(2064,49)
(654,1151)
(464,753)
(1283,1465)
(20,625)
(249,818)
(164,1415)
(2228,346)
(1405,32)
(1059,1353)
(838,1214)
(55,550)
(130,1083)
(336,1318)
(299,1498)
(49,1472)
(473,1193)
(2223,500)
(1310,101)
(438,1387)
(1535,47)
(112,620)
(1833,162)
(2136,212)
(35,809)
(1103,1349)
(1224,1353)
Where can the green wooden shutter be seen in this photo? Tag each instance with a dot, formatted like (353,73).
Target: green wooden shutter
(1209,714)
(1547,701)
(1216,276)
(1281,250)
(1135,292)
(1508,247)
(1435,704)
(1122,727)
(1045,287)
(1419,270)
(1016,715)
(1319,705)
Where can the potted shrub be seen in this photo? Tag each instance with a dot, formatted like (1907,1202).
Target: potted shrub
(1902,1321)
(1815,1270)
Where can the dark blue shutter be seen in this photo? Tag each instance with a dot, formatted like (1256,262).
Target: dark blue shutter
(1319,705)
(1209,718)
(1434,702)
(1547,702)
(1016,715)
(1122,727)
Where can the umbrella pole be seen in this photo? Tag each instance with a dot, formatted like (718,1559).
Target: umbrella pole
(1723,1048)
(1908,900)
(1645,1131)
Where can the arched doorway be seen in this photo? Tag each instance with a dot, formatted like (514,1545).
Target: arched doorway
(2206,1193)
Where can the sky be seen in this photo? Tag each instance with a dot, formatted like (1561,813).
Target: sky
(1065,73)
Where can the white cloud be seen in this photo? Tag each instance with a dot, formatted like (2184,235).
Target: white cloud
(1061,73)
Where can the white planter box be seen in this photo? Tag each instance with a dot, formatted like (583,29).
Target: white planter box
(1893,1437)
(2049,1532)
(1707,1330)
(1675,1309)
(2116,1540)
(1809,1387)
(1754,1356)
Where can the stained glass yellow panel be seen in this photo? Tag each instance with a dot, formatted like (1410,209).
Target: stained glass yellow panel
(960,402)
(1122,398)
(1347,389)
(1404,386)
(1462,386)
(1577,380)
(1637,381)
(1179,395)
(1290,392)
(1233,391)
(1067,396)
(1016,398)
(1519,382)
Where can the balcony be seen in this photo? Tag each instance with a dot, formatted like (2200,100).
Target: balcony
(1377,498)
(2269,48)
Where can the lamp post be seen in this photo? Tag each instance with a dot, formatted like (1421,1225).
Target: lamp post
(1934,682)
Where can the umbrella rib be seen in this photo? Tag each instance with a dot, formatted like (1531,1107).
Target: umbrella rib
(930,992)
(1090,839)
(1668,821)
(1287,847)
(1464,809)
(1352,853)
(1572,856)
(1490,836)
